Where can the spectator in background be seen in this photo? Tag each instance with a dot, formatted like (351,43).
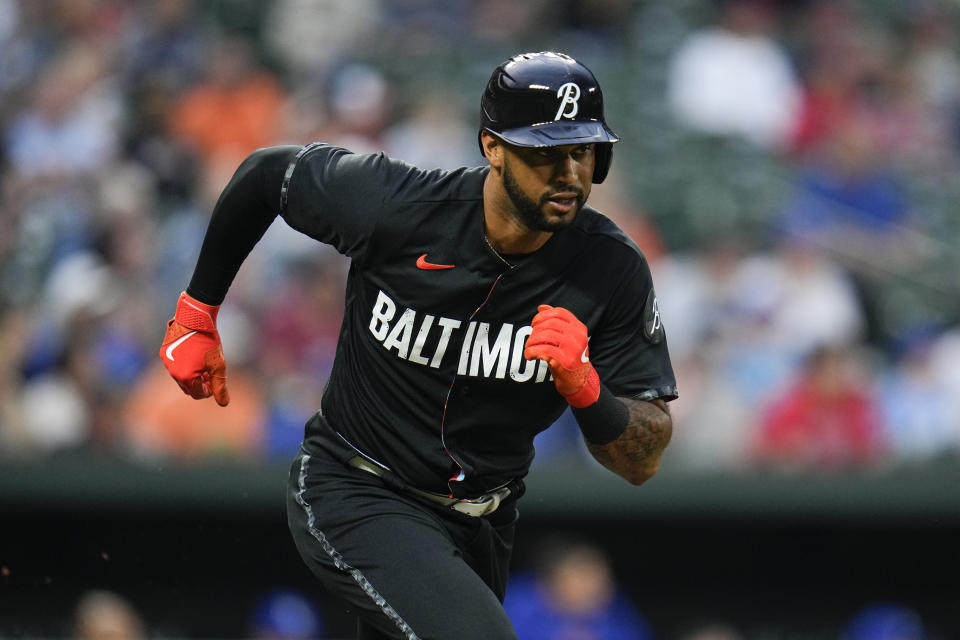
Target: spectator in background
(885,621)
(301,318)
(851,203)
(75,108)
(85,350)
(945,360)
(846,195)
(787,302)
(310,35)
(435,134)
(742,323)
(572,594)
(706,328)
(300,324)
(285,614)
(499,21)
(934,62)
(714,419)
(826,420)
(163,56)
(62,385)
(921,412)
(163,425)
(26,47)
(734,79)
(360,102)
(104,615)
(234,110)
(703,291)
(618,204)
(165,45)
(837,66)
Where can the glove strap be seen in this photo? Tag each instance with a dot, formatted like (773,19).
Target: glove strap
(193,314)
(588,393)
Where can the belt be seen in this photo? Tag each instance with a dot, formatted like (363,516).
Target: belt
(476,507)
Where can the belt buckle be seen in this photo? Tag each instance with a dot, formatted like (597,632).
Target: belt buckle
(483,505)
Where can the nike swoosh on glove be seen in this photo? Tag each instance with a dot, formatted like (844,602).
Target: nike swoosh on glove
(192,353)
(560,339)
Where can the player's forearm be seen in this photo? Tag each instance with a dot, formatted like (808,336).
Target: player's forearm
(635,454)
(244,211)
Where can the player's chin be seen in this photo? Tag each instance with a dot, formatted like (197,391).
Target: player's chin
(557,217)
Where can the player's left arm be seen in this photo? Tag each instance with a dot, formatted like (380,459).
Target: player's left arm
(625,435)
(635,453)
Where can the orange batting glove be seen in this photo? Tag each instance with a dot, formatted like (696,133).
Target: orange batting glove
(192,353)
(560,339)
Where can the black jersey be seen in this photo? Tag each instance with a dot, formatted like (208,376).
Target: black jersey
(429,376)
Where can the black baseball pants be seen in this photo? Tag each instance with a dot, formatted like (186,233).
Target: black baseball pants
(411,569)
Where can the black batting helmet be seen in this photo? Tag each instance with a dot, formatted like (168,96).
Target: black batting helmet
(547,99)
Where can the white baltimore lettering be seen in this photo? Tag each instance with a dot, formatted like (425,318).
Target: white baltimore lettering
(487,351)
(521,369)
(401,333)
(416,355)
(465,349)
(448,324)
(383,312)
(495,355)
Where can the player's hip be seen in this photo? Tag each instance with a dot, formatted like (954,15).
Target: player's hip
(334,506)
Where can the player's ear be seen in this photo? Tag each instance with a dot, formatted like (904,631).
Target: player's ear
(492,148)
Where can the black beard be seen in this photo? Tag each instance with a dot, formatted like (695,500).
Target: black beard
(529,213)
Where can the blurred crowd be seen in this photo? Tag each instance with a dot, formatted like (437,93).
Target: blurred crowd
(813,322)
(275,614)
(570,591)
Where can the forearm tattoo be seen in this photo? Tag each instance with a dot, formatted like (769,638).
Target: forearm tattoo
(636,453)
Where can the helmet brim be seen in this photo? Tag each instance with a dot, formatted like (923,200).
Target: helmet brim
(553,134)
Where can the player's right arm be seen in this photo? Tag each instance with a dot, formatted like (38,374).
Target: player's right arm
(325,192)
(246,207)
(191,348)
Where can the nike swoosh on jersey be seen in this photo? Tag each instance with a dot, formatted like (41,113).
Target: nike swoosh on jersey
(176,343)
(423,264)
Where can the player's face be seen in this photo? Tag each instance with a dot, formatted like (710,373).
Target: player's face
(548,185)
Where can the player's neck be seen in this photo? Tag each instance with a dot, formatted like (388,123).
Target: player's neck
(506,237)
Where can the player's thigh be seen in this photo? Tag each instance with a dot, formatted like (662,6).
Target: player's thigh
(421,573)
(395,563)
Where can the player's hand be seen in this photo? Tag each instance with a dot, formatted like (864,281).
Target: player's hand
(192,353)
(560,339)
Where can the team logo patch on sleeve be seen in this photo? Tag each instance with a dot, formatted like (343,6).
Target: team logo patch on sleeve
(652,323)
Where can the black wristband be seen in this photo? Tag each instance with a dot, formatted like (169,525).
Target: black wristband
(603,421)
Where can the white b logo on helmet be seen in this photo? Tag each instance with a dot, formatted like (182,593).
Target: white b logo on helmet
(569,94)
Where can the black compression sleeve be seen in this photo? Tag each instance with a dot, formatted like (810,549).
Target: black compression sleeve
(246,207)
(604,420)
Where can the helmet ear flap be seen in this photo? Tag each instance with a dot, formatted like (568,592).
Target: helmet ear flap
(603,157)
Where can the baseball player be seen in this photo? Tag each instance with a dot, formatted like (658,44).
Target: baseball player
(480,303)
